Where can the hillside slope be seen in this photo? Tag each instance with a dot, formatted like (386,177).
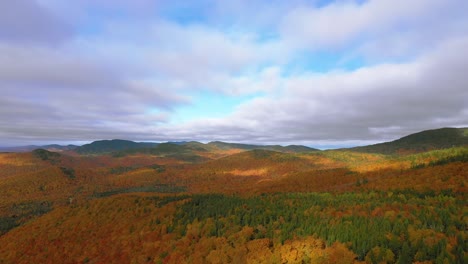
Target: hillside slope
(125,147)
(290,148)
(107,146)
(422,141)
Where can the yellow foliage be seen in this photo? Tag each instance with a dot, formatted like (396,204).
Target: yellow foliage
(253,172)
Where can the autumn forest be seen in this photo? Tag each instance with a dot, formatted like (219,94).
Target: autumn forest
(118,201)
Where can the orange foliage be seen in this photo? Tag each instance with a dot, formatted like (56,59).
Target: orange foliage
(129,228)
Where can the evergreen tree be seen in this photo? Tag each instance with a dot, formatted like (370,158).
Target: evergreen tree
(405,254)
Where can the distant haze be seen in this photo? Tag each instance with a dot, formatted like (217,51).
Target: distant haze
(314,73)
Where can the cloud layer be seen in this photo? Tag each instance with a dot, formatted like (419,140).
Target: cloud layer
(313,72)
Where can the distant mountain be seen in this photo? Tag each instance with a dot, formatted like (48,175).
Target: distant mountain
(420,142)
(114,145)
(179,142)
(299,148)
(226,146)
(290,148)
(53,147)
(193,151)
(165,148)
(194,146)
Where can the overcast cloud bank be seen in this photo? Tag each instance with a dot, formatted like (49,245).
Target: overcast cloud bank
(313,72)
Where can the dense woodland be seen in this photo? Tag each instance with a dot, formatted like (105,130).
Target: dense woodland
(234,205)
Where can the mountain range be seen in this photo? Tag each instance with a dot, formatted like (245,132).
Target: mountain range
(413,143)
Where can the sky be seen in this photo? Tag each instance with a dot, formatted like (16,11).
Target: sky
(318,73)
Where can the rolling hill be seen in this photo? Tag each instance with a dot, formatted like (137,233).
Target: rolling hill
(108,146)
(422,141)
(187,148)
(182,152)
(290,148)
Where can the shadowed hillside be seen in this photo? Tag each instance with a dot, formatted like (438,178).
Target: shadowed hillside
(108,146)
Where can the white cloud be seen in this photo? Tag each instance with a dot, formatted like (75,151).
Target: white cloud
(106,69)
(394,99)
(26,21)
(341,23)
(200,56)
